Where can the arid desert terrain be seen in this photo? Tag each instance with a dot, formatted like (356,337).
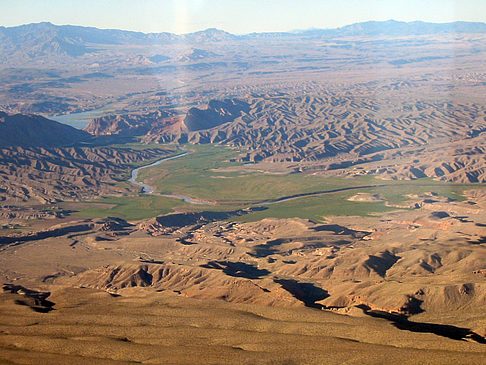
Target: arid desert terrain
(309,197)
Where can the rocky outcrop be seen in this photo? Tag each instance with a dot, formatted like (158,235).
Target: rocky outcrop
(108,226)
(193,282)
(170,222)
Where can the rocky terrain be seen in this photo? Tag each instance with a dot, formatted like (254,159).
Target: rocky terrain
(132,124)
(43,161)
(290,246)
(331,134)
(43,175)
(426,260)
(421,270)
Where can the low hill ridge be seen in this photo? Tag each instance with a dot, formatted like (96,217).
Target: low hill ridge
(30,130)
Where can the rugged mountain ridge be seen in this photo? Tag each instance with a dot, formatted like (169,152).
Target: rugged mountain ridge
(167,124)
(333,133)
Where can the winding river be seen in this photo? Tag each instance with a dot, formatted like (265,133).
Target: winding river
(147,189)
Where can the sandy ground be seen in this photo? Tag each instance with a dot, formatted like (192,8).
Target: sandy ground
(409,286)
(92,327)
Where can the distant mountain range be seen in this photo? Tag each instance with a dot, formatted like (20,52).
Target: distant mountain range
(45,38)
(396,28)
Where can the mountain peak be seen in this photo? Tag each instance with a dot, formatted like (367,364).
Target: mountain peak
(210,34)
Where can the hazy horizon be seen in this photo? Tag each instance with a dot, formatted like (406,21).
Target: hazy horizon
(240,34)
(236,17)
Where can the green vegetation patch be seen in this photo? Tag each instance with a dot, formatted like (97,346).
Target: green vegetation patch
(317,207)
(130,208)
(399,191)
(198,175)
(194,175)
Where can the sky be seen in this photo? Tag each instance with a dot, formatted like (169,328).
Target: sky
(234,16)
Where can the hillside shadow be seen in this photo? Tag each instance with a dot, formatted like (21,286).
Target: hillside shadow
(35,300)
(479,241)
(187,219)
(338,229)
(401,322)
(268,248)
(237,269)
(305,292)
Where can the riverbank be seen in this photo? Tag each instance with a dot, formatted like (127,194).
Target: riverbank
(147,189)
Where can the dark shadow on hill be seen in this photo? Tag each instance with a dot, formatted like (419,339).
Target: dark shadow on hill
(337,229)
(382,262)
(271,247)
(37,301)
(109,140)
(439,215)
(237,269)
(401,322)
(217,112)
(34,236)
(463,219)
(479,241)
(268,248)
(188,219)
(111,225)
(308,293)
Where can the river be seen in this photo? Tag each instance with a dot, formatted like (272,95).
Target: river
(81,119)
(147,189)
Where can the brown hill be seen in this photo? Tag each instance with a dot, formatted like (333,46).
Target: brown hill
(132,124)
(414,263)
(88,326)
(50,174)
(35,130)
(216,113)
(195,282)
(407,140)
(168,125)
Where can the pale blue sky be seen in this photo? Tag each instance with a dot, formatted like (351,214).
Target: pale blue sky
(235,16)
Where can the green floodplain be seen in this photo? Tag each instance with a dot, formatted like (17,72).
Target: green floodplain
(201,175)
